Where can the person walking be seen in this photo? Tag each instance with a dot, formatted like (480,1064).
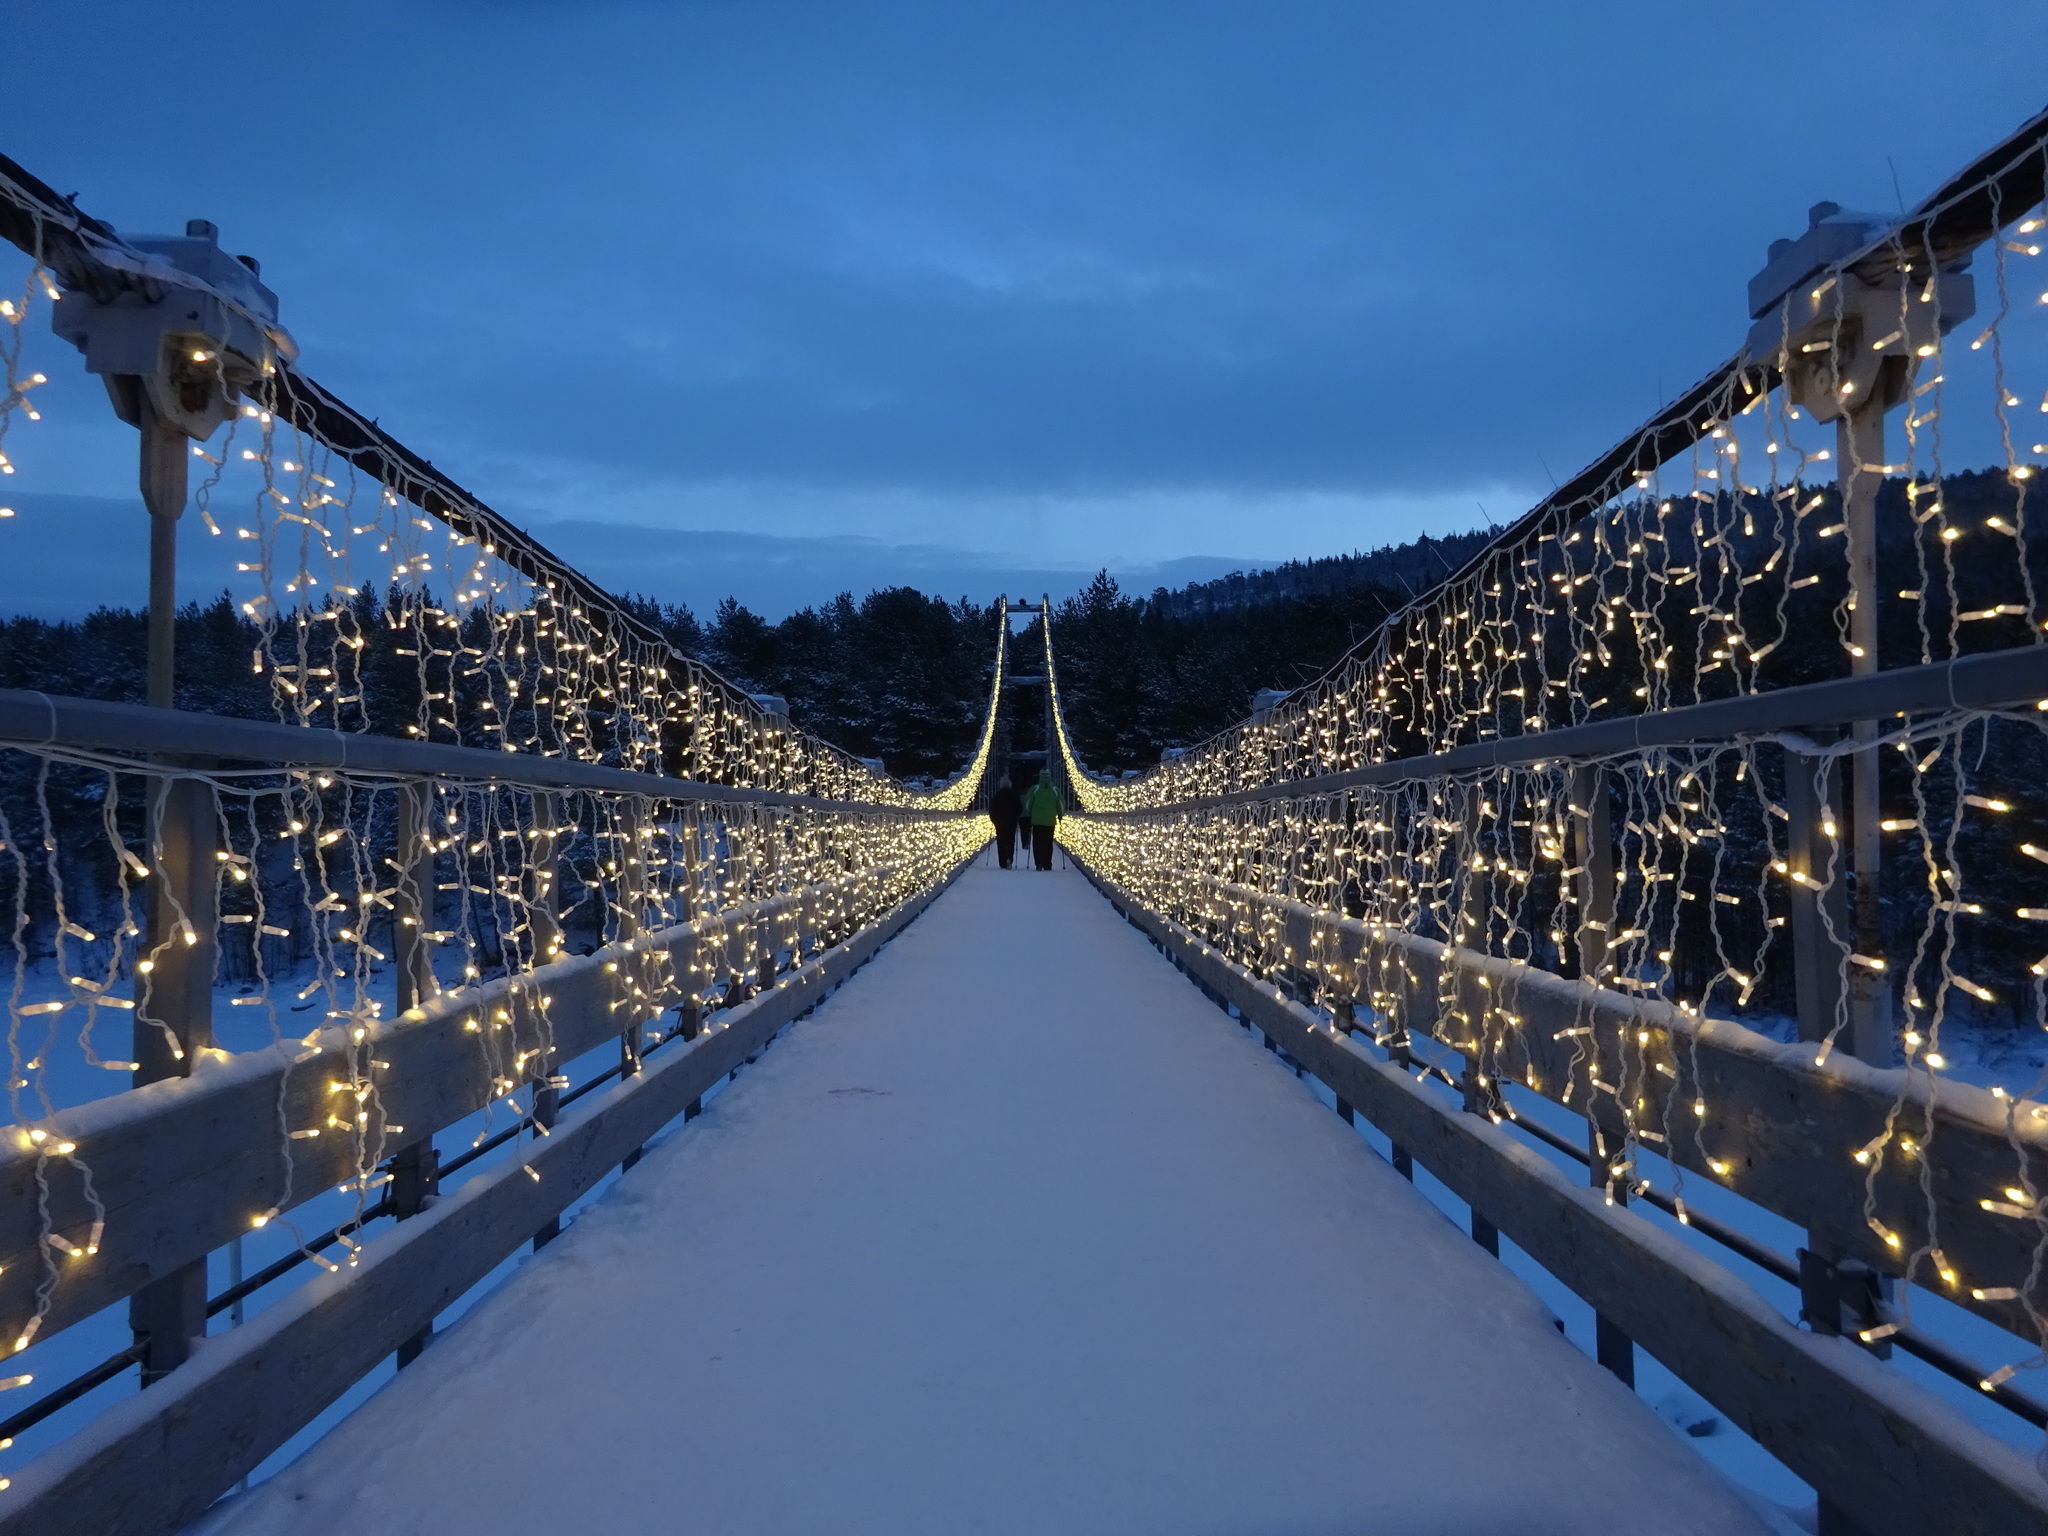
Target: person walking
(1005,810)
(1044,809)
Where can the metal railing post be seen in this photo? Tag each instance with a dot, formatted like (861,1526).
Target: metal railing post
(1469,922)
(163,494)
(173,1023)
(1815,887)
(771,939)
(174,984)
(1613,1348)
(1859,448)
(690,1017)
(1836,1295)
(543,878)
(1592,816)
(1399,1051)
(415,1168)
(632,896)
(543,917)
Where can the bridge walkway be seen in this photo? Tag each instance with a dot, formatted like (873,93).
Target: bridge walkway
(1016,1233)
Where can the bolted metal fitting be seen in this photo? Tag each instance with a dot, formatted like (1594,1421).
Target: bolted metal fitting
(188,323)
(1842,338)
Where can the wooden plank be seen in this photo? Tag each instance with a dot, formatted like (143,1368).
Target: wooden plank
(181,1167)
(156,1460)
(1897,1459)
(1784,1129)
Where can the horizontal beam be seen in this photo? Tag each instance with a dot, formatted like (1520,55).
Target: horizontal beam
(1784,1129)
(29,719)
(1898,1460)
(182,1166)
(1991,680)
(155,1461)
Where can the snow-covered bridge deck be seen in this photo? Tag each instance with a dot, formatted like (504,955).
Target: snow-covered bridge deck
(1014,1234)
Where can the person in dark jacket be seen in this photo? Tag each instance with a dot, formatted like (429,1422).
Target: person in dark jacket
(1042,805)
(1005,809)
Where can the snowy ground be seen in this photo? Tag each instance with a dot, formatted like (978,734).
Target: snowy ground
(1017,1233)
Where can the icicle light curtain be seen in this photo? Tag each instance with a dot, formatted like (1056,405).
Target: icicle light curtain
(1745,722)
(578,835)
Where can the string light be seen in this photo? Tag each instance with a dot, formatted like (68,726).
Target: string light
(353,592)
(1702,579)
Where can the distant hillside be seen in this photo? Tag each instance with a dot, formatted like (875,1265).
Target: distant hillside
(1410,569)
(898,674)
(902,675)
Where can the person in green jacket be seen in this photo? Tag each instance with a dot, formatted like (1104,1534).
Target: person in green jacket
(1043,809)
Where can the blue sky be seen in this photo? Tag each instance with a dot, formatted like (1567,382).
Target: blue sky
(777,296)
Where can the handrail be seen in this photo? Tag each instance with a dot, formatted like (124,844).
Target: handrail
(1961,214)
(29,719)
(214,1419)
(1899,1458)
(1986,681)
(55,233)
(1580,900)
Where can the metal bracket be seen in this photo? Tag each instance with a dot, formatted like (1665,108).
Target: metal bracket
(1842,1298)
(1843,338)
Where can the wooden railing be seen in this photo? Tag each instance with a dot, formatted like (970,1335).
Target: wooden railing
(1698,804)
(1889,1455)
(721,915)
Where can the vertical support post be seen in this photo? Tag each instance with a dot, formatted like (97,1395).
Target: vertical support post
(543,877)
(1468,930)
(174,985)
(163,468)
(1344,1018)
(1593,830)
(1593,853)
(690,1017)
(1612,1348)
(1812,853)
(1859,451)
(1397,1042)
(416,1168)
(412,906)
(632,898)
(543,917)
(771,938)
(1830,1287)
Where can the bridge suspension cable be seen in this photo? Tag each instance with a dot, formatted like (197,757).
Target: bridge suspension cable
(326,491)
(500,846)
(1704,803)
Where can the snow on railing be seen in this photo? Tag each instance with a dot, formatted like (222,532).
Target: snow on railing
(494,824)
(1739,734)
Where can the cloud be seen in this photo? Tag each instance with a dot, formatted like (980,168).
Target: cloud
(67,555)
(905,271)
(1052,530)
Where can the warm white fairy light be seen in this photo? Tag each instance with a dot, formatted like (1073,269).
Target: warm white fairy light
(1665,588)
(533,666)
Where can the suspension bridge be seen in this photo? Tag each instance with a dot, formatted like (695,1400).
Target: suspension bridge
(712,1136)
